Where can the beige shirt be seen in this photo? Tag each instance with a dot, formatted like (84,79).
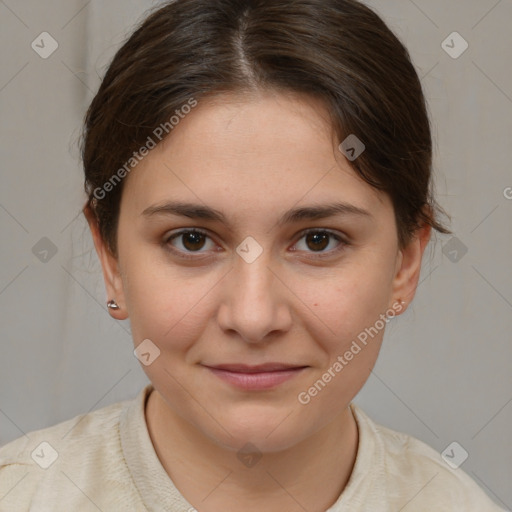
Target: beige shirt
(105,461)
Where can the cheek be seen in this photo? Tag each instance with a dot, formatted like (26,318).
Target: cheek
(166,304)
(350,300)
(349,329)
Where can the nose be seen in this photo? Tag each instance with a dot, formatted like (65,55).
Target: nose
(254,301)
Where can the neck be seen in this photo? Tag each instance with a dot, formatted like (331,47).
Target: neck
(308,476)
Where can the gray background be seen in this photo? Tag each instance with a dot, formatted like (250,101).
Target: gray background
(444,372)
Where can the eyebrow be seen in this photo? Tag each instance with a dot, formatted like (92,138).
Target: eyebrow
(313,212)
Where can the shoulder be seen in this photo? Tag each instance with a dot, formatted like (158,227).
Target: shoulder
(409,470)
(42,446)
(54,464)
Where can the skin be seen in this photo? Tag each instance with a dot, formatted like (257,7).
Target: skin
(253,157)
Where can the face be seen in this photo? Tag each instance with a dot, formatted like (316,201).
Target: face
(236,280)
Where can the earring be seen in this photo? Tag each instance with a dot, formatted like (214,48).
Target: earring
(402,302)
(112,304)
(398,301)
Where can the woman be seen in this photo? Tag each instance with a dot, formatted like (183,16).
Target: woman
(259,195)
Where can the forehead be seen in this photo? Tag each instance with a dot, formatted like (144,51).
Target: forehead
(262,150)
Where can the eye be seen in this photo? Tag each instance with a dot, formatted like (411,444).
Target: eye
(188,241)
(317,240)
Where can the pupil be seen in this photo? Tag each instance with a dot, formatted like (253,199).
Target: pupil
(316,237)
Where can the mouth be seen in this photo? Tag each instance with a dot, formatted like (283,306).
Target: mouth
(258,377)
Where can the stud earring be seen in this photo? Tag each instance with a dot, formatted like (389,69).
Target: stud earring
(394,315)
(112,304)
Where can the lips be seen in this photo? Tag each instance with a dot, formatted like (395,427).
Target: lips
(260,368)
(255,377)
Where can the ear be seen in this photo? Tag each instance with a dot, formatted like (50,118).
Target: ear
(408,266)
(110,267)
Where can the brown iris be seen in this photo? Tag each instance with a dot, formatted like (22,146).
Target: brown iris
(319,239)
(193,241)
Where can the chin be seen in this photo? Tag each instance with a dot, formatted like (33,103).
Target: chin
(267,432)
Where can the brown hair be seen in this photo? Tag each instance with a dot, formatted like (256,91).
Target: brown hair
(337,50)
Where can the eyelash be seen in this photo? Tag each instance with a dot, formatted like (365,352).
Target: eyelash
(342,243)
